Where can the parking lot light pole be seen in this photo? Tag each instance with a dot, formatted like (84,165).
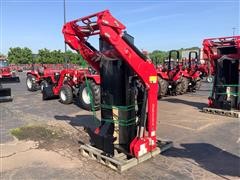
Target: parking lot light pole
(233,30)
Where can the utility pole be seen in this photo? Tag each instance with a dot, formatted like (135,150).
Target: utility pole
(233,31)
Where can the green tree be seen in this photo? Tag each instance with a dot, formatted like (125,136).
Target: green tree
(75,58)
(19,55)
(44,56)
(57,57)
(158,56)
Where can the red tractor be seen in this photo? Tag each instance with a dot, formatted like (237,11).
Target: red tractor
(224,56)
(6,76)
(5,70)
(206,71)
(39,77)
(170,78)
(191,74)
(70,83)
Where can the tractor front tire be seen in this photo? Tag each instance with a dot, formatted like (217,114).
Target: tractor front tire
(84,98)
(43,84)
(162,87)
(66,94)
(31,83)
(210,79)
(185,84)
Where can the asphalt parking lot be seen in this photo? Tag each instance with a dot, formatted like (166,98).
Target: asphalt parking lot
(205,146)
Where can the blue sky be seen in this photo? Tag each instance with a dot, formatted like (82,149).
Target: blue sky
(162,24)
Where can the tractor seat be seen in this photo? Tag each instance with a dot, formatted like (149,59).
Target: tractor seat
(41,71)
(164,69)
(171,74)
(56,76)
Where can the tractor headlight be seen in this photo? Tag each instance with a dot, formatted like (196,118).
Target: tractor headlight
(74,79)
(13,73)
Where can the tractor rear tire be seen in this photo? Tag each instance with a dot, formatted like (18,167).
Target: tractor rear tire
(84,98)
(31,83)
(66,94)
(162,87)
(198,84)
(185,84)
(43,84)
(179,89)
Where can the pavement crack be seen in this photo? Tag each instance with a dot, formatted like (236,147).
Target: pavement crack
(14,153)
(8,155)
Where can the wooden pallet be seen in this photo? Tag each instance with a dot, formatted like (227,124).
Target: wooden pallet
(120,162)
(229,113)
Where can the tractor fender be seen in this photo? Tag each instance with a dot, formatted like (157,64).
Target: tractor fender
(33,73)
(163,75)
(177,76)
(51,79)
(94,77)
(185,74)
(196,75)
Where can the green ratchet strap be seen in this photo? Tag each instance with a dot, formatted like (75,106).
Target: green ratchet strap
(211,89)
(230,85)
(229,93)
(233,94)
(89,92)
(225,85)
(122,108)
(122,122)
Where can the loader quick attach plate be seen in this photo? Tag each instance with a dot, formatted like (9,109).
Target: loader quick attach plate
(229,113)
(5,95)
(6,80)
(47,93)
(120,162)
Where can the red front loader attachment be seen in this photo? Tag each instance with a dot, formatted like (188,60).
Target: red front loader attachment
(6,76)
(127,77)
(224,56)
(5,93)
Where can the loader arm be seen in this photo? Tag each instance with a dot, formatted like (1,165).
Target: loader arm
(224,56)
(211,48)
(112,31)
